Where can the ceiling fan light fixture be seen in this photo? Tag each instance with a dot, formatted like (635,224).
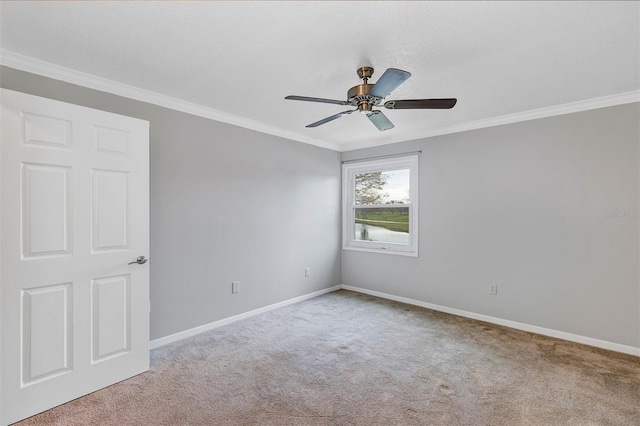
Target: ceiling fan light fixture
(364,107)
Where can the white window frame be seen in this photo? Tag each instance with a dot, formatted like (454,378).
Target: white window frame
(349,171)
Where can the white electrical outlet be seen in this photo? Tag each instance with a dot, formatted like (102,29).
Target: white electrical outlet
(493,289)
(307,272)
(235,287)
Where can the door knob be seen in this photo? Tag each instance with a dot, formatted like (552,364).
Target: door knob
(141,260)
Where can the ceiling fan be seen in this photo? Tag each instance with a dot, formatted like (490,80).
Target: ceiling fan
(365,96)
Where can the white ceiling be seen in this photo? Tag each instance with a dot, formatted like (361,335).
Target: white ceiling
(236,61)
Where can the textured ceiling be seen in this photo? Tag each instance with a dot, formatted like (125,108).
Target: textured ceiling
(240,59)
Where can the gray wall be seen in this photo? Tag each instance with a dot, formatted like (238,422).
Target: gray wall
(227,204)
(524,206)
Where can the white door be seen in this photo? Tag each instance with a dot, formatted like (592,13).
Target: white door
(74,212)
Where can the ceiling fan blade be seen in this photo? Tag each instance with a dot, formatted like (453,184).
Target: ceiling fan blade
(321,100)
(380,120)
(421,104)
(391,79)
(328,119)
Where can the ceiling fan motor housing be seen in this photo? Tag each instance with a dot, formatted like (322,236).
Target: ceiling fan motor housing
(359,96)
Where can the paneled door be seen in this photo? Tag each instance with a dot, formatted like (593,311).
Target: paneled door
(74,223)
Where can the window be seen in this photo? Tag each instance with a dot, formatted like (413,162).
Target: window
(380,202)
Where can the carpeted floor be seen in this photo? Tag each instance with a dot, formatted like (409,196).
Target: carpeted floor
(350,359)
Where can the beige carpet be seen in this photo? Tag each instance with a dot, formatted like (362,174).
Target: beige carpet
(351,359)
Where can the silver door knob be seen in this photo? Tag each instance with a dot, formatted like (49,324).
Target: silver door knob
(141,260)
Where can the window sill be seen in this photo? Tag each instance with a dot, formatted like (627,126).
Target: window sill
(378,250)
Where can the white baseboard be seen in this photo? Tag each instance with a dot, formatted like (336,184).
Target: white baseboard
(156,343)
(603,344)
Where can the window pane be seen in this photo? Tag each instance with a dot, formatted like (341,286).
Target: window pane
(380,209)
(391,187)
(384,224)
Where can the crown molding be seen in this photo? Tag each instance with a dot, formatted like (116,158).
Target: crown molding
(56,72)
(584,105)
